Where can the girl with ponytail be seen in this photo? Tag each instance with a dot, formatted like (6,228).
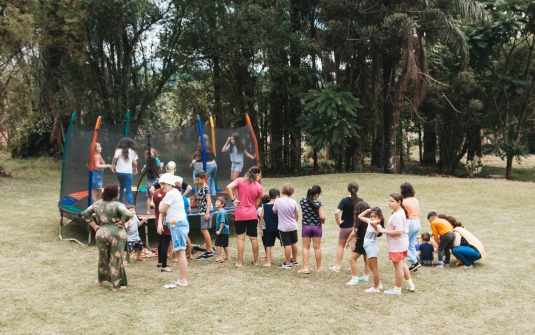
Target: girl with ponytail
(345,217)
(313,218)
(398,242)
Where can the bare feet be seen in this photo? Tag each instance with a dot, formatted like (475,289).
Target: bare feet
(167,269)
(99,283)
(238,265)
(115,289)
(227,259)
(267,264)
(319,269)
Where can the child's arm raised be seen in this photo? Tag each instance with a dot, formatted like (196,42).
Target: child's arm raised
(363,216)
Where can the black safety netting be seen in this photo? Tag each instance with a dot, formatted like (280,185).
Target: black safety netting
(177,145)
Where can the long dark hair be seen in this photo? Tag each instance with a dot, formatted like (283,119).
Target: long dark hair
(361,207)
(377,211)
(315,189)
(238,142)
(353,189)
(125,144)
(399,198)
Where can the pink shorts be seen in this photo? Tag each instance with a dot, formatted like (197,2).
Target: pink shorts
(397,256)
(344,233)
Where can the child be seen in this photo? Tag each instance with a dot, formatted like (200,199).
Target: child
(196,163)
(237,149)
(398,242)
(425,253)
(265,200)
(270,223)
(288,214)
(370,246)
(443,229)
(151,168)
(223,230)
(132,234)
(98,170)
(313,218)
(359,230)
(204,202)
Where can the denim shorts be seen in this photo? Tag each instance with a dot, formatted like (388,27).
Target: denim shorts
(179,234)
(237,166)
(206,224)
(372,250)
(97,179)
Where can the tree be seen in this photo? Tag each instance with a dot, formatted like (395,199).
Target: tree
(331,119)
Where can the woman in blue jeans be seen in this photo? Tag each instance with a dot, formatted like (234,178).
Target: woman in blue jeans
(413,209)
(211,166)
(466,247)
(124,164)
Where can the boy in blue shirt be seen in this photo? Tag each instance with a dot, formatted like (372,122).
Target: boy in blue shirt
(222,230)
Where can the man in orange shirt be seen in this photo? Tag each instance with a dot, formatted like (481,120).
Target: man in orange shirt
(443,229)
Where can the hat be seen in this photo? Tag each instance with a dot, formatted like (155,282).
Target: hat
(178,180)
(167,178)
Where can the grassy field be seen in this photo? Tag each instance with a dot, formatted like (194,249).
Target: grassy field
(48,285)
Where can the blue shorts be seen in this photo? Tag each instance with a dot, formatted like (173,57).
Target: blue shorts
(150,183)
(179,234)
(237,166)
(372,250)
(97,179)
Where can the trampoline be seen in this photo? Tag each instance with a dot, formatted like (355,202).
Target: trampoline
(173,145)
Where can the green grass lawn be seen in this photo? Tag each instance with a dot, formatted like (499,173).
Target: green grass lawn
(48,284)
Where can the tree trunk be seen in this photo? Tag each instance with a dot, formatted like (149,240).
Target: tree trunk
(389,118)
(430,145)
(509,168)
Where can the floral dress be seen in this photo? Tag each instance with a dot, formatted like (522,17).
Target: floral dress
(110,239)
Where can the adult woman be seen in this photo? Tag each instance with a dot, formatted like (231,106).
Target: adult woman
(211,166)
(110,236)
(172,206)
(245,218)
(466,247)
(344,216)
(237,149)
(413,208)
(124,163)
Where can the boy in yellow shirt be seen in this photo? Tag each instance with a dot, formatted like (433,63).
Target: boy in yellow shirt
(443,229)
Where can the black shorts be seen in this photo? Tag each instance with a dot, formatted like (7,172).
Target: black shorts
(247,226)
(288,237)
(269,238)
(135,245)
(221,240)
(359,249)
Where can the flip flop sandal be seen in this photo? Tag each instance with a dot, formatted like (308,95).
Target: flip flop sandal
(218,261)
(178,283)
(170,286)
(168,270)
(303,272)
(252,262)
(333,268)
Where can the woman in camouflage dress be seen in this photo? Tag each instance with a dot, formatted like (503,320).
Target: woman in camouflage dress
(110,236)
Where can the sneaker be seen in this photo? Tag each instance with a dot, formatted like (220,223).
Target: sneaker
(292,263)
(439,266)
(410,288)
(415,266)
(353,281)
(372,290)
(285,266)
(380,286)
(392,291)
(363,279)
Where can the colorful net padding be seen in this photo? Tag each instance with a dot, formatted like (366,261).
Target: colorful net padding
(176,145)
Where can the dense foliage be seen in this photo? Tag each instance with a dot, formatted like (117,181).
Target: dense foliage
(351,78)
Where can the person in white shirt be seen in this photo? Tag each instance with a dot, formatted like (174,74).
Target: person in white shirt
(124,164)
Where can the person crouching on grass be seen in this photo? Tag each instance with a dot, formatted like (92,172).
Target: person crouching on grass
(133,241)
(204,201)
(398,242)
(222,230)
(288,213)
(172,206)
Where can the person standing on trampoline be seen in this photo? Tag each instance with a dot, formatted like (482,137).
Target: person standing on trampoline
(237,150)
(124,164)
(245,216)
(110,236)
(98,170)
(211,166)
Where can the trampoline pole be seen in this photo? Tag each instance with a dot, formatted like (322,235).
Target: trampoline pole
(203,144)
(213,146)
(257,153)
(127,124)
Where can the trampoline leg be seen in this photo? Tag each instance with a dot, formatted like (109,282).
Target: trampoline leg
(147,235)
(70,239)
